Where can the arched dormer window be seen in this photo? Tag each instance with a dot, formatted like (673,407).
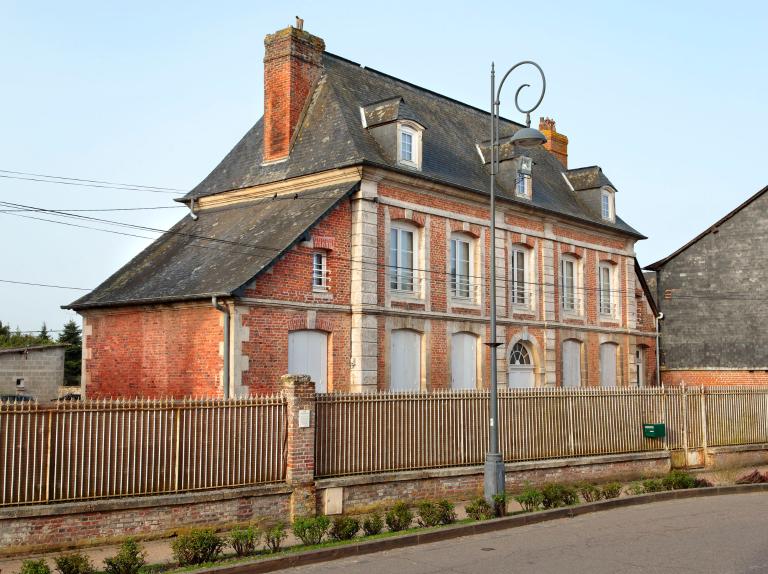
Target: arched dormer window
(409,144)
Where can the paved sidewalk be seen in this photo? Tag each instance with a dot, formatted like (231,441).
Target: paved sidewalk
(718,535)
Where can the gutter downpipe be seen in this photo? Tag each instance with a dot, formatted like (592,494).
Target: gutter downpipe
(658,318)
(223,309)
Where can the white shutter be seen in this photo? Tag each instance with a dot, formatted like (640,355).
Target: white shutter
(571,364)
(463,361)
(308,355)
(608,364)
(405,360)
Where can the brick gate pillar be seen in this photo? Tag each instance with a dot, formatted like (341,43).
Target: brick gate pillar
(300,446)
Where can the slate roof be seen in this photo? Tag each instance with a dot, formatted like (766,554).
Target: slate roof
(332,136)
(219,253)
(591,177)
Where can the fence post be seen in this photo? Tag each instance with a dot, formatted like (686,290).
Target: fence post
(300,445)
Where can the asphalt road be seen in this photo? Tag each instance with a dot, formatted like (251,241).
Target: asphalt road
(723,534)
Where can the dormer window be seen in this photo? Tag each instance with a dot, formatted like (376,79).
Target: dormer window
(607,207)
(523,182)
(409,145)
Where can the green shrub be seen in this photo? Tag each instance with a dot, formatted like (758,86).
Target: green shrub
(373,523)
(274,536)
(73,563)
(344,528)
(636,488)
(244,540)
(128,560)
(429,514)
(399,517)
(197,546)
(589,492)
(678,480)
(311,529)
(531,499)
(557,495)
(479,509)
(35,567)
(611,490)
(500,504)
(447,511)
(654,485)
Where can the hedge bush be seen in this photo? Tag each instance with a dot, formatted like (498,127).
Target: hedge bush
(373,523)
(611,490)
(274,536)
(244,540)
(447,511)
(429,514)
(311,529)
(35,567)
(197,546)
(128,560)
(557,495)
(399,517)
(344,528)
(73,563)
(479,509)
(531,499)
(589,492)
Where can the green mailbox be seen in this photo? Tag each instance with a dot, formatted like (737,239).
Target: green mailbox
(654,430)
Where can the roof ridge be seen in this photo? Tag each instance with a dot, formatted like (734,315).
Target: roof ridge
(421,88)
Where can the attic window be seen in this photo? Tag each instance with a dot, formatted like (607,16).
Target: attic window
(607,207)
(523,181)
(408,145)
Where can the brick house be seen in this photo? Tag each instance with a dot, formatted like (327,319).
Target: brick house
(346,236)
(710,292)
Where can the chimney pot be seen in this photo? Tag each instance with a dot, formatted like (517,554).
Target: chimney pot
(557,144)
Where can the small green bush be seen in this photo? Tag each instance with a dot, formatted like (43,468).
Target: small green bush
(128,560)
(274,536)
(344,528)
(678,480)
(244,540)
(311,529)
(447,511)
(589,492)
(197,546)
(557,495)
(373,523)
(399,517)
(611,490)
(654,485)
(500,504)
(531,499)
(479,509)
(35,567)
(429,514)
(636,488)
(73,563)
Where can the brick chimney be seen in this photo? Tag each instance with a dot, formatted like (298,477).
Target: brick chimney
(293,62)
(557,144)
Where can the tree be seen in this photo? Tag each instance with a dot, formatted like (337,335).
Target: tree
(43,336)
(72,336)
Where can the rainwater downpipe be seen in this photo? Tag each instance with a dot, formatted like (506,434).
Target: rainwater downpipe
(223,309)
(658,318)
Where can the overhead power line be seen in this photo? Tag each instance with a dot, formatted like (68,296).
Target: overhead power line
(77,183)
(82,180)
(44,285)
(13,210)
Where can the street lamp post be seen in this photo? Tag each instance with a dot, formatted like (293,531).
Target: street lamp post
(524,137)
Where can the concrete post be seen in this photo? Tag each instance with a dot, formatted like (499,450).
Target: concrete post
(300,445)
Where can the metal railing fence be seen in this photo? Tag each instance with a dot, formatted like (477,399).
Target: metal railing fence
(97,449)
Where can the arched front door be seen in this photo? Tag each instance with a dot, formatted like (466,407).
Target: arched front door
(308,355)
(520,374)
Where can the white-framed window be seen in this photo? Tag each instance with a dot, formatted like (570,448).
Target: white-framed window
(319,271)
(608,364)
(521,292)
(521,374)
(571,363)
(569,284)
(308,355)
(605,289)
(402,258)
(405,360)
(524,181)
(464,361)
(409,145)
(607,210)
(461,265)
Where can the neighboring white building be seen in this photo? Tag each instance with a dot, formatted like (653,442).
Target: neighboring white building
(35,372)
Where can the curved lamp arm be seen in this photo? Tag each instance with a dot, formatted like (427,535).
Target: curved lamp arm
(528,111)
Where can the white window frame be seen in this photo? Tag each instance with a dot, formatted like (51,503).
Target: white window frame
(524,178)
(396,272)
(319,271)
(415,132)
(570,304)
(521,252)
(606,299)
(468,294)
(607,206)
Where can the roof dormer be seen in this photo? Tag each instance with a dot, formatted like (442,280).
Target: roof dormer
(595,190)
(396,129)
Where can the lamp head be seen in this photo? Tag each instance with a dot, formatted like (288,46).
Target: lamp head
(528,137)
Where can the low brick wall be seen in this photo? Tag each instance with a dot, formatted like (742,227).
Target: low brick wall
(56,526)
(354,494)
(740,456)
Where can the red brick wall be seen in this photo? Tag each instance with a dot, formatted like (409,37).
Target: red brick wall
(714,378)
(157,351)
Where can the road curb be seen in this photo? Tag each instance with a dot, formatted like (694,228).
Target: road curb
(449,532)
